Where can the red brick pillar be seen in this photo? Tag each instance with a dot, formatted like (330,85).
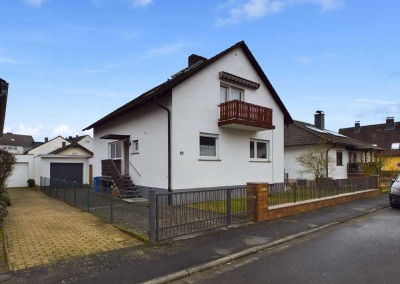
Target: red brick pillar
(377,182)
(260,194)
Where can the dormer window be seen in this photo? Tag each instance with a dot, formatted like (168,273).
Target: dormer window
(229,93)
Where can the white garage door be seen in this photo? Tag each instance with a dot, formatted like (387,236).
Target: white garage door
(19,176)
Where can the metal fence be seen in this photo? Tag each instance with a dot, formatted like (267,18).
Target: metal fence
(282,193)
(181,213)
(130,216)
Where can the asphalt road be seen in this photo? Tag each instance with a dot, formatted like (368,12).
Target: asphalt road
(363,250)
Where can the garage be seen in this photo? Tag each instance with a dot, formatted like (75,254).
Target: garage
(19,176)
(67,171)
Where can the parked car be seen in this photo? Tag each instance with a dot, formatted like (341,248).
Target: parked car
(394,194)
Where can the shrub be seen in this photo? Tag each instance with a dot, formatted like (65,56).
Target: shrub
(3,212)
(5,197)
(31,182)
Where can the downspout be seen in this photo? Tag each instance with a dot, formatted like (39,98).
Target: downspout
(169,144)
(327,159)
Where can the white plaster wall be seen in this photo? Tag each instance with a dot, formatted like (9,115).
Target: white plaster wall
(48,147)
(75,151)
(42,164)
(195,109)
(293,168)
(87,142)
(24,170)
(147,124)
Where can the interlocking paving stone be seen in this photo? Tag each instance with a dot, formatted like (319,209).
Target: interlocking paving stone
(42,230)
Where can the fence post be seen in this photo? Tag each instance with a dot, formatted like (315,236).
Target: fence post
(111,205)
(228,206)
(75,193)
(57,188)
(152,217)
(87,199)
(294,193)
(64,189)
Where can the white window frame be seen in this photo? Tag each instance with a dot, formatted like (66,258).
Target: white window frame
(395,146)
(135,146)
(110,150)
(209,135)
(255,158)
(229,93)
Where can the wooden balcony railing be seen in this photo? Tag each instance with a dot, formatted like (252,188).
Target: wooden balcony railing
(239,112)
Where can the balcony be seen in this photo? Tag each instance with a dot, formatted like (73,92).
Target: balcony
(245,116)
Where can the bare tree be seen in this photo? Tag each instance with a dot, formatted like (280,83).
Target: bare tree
(316,162)
(7,162)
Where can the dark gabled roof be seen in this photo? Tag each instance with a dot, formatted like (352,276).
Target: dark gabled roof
(3,103)
(72,145)
(301,133)
(166,87)
(11,139)
(376,134)
(75,139)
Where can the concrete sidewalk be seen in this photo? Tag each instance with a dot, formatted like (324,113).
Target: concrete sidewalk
(41,230)
(143,263)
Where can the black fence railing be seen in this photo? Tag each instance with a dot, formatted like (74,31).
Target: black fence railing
(181,213)
(101,203)
(282,193)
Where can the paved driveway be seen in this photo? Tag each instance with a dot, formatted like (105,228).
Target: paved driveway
(41,229)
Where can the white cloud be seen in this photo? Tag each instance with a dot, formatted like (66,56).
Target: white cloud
(142,3)
(254,9)
(27,130)
(35,3)
(375,102)
(63,130)
(5,60)
(167,49)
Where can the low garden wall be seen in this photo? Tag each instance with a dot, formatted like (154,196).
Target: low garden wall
(263,212)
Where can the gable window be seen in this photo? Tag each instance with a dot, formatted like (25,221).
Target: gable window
(228,93)
(259,150)
(115,150)
(135,144)
(339,158)
(208,146)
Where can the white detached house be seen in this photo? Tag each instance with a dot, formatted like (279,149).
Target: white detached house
(217,123)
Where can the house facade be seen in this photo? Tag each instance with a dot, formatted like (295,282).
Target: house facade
(16,143)
(346,155)
(385,135)
(3,103)
(217,123)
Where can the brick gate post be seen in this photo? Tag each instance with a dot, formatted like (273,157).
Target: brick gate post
(260,193)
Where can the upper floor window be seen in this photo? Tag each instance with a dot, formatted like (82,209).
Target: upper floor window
(115,150)
(228,93)
(395,146)
(259,150)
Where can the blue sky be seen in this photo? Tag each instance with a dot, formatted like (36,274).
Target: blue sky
(69,63)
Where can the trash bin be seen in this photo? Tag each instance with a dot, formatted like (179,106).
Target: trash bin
(97,183)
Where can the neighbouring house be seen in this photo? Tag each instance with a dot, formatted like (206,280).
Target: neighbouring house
(218,122)
(16,143)
(3,103)
(347,155)
(56,158)
(385,135)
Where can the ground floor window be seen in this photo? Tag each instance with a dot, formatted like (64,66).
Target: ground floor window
(339,158)
(259,150)
(208,146)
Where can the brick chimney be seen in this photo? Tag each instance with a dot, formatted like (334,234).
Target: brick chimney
(389,123)
(357,127)
(193,59)
(319,119)
(46,139)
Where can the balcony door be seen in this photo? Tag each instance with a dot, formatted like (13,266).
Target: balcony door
(228,93)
